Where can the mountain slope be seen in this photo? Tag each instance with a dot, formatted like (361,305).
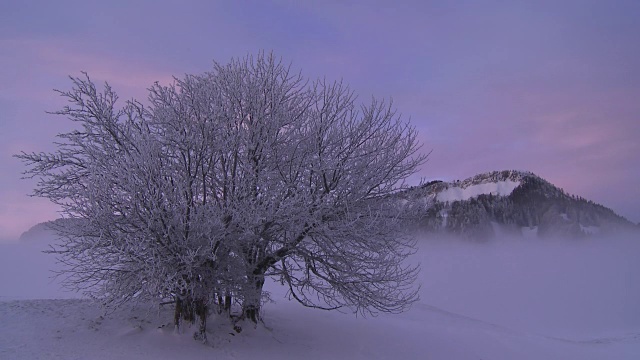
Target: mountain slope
(512,202)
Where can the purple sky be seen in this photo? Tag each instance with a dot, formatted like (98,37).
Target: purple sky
(547,86)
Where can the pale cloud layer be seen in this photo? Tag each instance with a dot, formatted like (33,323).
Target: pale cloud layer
(550,87)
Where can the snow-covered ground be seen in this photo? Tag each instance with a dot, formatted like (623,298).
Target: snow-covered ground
(509,299)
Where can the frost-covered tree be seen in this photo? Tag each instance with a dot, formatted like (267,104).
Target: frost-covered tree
(228,177)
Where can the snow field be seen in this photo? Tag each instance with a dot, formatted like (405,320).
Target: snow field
(507,299)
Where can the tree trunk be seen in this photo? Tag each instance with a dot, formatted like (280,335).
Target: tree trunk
(201,312)
(220,304)
(252,299)
(224,304)
(177,313)
(227,304)
(189,309)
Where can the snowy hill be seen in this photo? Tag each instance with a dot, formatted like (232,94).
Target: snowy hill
(36,233)
(511,202)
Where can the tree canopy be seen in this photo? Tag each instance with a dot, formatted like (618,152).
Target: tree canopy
(227,177)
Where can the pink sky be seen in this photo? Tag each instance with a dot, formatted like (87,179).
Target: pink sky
(551,87)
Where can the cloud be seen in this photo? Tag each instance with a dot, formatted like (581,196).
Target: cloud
(36,62)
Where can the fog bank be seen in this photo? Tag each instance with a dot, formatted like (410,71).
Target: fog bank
(560,288)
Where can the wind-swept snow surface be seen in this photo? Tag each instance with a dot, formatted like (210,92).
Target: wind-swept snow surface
(498,300)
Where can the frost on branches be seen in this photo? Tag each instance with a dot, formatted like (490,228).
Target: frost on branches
(225,178)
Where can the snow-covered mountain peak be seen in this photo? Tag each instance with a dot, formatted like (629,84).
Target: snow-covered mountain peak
(459,193)
(513,201)
(498,176)
(497,183)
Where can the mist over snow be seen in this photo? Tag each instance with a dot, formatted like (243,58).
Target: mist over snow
(503,299)
(567,289)
(26,272)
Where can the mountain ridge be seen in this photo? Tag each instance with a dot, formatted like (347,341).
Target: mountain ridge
(513,202)
(481,207)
